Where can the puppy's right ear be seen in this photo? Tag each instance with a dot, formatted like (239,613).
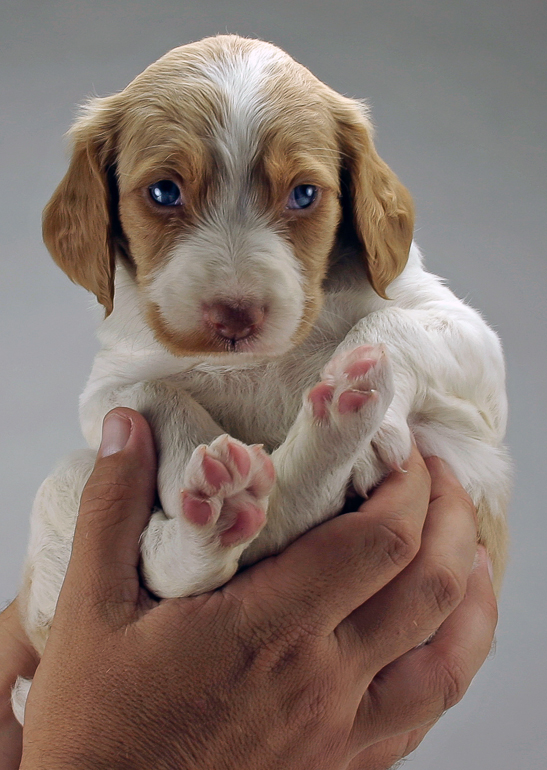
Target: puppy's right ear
(77,222)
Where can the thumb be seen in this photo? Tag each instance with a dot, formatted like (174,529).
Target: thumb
(114,509)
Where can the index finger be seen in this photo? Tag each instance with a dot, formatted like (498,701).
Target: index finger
(333,569)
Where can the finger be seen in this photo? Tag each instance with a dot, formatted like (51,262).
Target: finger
(419,687)
(17,658)
(408,610)
(114,509)
(11,740)
(334,568)
(17,655)
(444,482)
(385,754)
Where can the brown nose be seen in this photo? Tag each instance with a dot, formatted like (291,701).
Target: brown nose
(232,322)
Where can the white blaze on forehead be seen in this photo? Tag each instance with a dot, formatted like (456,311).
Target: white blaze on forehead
(234,256)
(242,78)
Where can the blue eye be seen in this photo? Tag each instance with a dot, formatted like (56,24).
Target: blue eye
(302,196)
(165,193)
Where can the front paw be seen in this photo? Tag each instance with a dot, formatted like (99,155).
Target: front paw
(225,490)
(356,388)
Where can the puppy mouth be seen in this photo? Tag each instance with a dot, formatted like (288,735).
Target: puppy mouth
(225,328)
(238,346)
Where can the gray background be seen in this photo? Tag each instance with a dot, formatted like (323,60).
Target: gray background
(457,91)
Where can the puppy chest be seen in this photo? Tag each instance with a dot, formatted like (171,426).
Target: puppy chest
(255,405)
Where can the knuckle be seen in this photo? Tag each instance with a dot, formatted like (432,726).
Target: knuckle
(101,493)
(316,701)
(466,503)
(420,469)
(445,589)
(454,681)
(295,656)
(399,542)
(457,496)
(491,612)
(290,648)
(271,647)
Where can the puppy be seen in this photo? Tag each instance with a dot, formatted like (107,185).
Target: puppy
(266,310)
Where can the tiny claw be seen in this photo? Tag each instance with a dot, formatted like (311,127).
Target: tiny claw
(240,458)
(215,472)
(257,450)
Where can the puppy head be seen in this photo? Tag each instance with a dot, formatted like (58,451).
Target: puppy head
(218,175)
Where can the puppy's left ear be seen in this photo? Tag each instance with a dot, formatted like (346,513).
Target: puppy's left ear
(77,222)
(382,209)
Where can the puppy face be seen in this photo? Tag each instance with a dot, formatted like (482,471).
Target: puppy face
(218,174)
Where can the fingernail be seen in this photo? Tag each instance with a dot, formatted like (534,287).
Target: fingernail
(482,553)
(435,458)
(442,465)
(477,559)
(116,432)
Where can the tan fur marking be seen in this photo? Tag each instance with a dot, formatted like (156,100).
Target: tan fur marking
(164,124)
(191,343)
(382,207)
(77,226)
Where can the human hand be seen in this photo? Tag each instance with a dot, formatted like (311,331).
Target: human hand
(17,658)
(432,678)
(307,659)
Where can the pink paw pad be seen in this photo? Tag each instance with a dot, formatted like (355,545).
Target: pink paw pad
(215,473)
(249,520)
(353,400)
(226,487)
(358,369)
(347,382)
(240,456)
(320,397)
(197,510)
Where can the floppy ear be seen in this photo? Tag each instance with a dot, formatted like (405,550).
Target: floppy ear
(382,209)
(77,222)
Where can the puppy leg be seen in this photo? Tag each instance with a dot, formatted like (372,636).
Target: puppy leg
(213,489)
(313,466)
(223,503)
(449,377)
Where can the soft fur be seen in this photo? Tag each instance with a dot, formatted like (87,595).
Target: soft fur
(313,332)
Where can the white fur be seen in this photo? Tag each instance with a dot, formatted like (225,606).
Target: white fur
(242,80)
(435,343)
(443,376)
(234,259)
